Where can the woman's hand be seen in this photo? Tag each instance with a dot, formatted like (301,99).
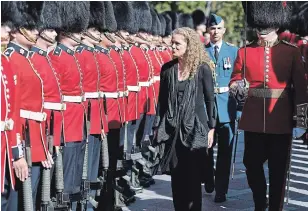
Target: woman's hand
(210,138)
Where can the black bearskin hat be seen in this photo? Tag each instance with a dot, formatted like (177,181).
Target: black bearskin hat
(162,25)
(75,16)
(185,20)
(175,19)
(97,15)
(155,23)
(29,13)
(125,16)
(9,14)
(168,20)
(50,16)
(198,17)
(143,16)
(110,21)
(268,14)
(299,21)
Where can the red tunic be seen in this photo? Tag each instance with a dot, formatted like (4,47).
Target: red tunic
(144,71)
(29,97)
(9,140)
(70,75)
(116,57)
(87,59)
(108,84)
(132,80)
(52,91)
(277,67)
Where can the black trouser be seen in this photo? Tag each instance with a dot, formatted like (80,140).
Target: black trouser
(186,179)
(275,148)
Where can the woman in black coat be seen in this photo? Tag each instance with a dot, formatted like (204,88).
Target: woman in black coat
(186,118)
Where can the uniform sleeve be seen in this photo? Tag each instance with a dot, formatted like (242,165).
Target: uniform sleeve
(237,70)
(208,92)
(298,79)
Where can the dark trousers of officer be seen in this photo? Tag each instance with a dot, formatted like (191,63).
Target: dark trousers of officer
(224,134)
(73,156)
(94,147)
(275,148)
(186,179)
(12,200)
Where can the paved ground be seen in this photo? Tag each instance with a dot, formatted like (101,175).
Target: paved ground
(159,197)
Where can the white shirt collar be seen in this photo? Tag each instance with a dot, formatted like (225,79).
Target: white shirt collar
(218,45)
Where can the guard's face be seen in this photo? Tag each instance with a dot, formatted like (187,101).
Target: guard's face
(5,34)
(217,32)
(50,34)
(266,34)
(179,45)
(167,40)
(201,28)
(26,37)
(124,34)
(95,33)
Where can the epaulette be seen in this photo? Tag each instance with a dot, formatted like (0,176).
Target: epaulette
(79,49)
(285,42)
(57,51)
(8,52)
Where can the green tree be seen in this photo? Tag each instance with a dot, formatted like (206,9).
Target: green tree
(231,11)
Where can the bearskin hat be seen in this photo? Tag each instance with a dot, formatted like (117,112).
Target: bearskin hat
(185,20)
(126,19)
(299,20)
(198,17)
(50,16)
(268,14)
(155,23)
(175,19)
(110,21)
(97,15)
(9,13)
(75,15)
(29,13)
(168,20)
(163,25)
(143,16)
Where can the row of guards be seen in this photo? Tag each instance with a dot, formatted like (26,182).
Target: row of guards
(80,83)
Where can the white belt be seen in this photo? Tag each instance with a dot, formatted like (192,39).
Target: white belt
(7,125)
(109,94)
(145,83)
(73,99)
(123,94)
(37,116)
(55,106)
(156,78)
(133,88)
(221,89)
(91,95)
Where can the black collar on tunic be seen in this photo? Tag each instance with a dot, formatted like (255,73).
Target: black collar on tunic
(39,51)
(102,49)
(66,49)
(117,49)
(88,48)
(19,49)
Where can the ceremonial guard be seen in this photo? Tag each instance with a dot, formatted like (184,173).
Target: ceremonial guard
(275,73)
(166,53)
(74,18)
(11,149)
(223,56)
(97,125)
(199,20)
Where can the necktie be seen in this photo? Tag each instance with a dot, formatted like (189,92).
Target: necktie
(216,52)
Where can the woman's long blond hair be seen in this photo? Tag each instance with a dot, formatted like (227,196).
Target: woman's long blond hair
(195,53)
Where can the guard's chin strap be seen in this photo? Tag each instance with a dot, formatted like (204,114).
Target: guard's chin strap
(71,36)
(109,37)
(47,39)
(24,32)
(88,34)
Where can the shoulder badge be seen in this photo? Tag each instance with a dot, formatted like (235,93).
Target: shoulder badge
(8,52)
(286,42)
(57,51)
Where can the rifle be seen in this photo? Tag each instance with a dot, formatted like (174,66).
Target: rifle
(26,185)
(235,147)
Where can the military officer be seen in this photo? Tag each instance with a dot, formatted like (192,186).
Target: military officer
(75,18)
(270,102)
(223,56)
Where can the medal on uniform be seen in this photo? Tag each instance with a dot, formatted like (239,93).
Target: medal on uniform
(225,63)
(229,63)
